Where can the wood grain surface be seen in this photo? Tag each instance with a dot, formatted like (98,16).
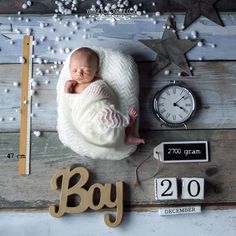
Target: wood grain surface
(49,156)
(214,84)
(218,42)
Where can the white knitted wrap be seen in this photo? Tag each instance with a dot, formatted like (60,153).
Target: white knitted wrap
(120,73)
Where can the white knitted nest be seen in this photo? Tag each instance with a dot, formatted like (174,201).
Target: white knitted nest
(120,72)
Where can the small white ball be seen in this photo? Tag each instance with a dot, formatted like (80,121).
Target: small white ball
(2,119)
(157,13)
(32,92)
(12,118)
(24,6)
(29,3)
(179,74)
(200,58)
(37,133)
(67,50)
(47,82)
(37,104)
(34,84)
(16,84)
(200,44)
(34,43)
(22,60)
(166,72)
(6,90)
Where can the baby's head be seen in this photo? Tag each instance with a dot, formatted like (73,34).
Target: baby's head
(84,65)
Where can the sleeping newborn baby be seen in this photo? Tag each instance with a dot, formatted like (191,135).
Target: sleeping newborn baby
(94,111)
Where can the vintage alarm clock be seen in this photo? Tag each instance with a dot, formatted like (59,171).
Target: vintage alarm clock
(174,104)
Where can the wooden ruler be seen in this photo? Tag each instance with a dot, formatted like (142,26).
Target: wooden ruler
(24,149)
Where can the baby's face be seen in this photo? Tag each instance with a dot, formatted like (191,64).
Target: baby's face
(83,68)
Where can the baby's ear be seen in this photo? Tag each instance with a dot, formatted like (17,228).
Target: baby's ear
(98,73)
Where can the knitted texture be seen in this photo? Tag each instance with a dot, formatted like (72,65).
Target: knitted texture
(119,71)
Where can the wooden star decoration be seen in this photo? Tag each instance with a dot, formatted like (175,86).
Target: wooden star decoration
(170,49)
(197,8)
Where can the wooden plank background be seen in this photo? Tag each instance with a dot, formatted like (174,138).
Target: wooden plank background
(214,84)
(123,36)
(213,81)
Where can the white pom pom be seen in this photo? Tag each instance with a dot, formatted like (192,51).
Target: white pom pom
(37,133)
(16,84)
(24,6)
(67,50)
(22,60)
(34,84)
(200,44)
(29,3)
(32,92)
(166,72)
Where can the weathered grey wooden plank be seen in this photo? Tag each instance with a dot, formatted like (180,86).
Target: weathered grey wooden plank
(123,36)
(49,155)
(42,6)
(213,82)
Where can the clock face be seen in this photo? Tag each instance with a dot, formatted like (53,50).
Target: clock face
(174,104)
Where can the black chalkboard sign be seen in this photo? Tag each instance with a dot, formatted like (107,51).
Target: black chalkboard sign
(189,151)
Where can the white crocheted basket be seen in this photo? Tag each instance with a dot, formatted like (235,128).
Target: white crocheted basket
(120,72)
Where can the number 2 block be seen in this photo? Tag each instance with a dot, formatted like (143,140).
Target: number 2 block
(192,188)
(166,189)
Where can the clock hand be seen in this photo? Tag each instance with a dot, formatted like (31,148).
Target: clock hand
(179,100)
(176,105)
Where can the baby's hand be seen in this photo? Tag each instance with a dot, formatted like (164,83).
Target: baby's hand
(70,86)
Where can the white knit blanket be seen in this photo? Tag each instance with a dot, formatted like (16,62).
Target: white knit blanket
(83,119)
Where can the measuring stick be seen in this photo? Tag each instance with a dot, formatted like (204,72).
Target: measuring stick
(24,149)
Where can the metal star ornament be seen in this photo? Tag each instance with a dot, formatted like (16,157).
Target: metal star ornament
(170,49)
(197,8)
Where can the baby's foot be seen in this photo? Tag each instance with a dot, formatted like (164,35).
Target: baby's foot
(133,114)
(134,140)
(70,86)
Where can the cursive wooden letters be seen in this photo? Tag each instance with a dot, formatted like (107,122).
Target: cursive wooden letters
(86,196)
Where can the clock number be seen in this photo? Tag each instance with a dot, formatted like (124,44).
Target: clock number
(188,105)
(165,194)
(167,92)
(174,117)
(174,90)
(166,188)
(190,190)
(185,98)
(162,110)
(167,115)
(161,104)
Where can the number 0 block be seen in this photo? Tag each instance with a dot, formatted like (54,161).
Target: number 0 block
(166,189)
(192,188)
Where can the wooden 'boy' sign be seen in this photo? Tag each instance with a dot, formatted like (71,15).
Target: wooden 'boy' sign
(86,196)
